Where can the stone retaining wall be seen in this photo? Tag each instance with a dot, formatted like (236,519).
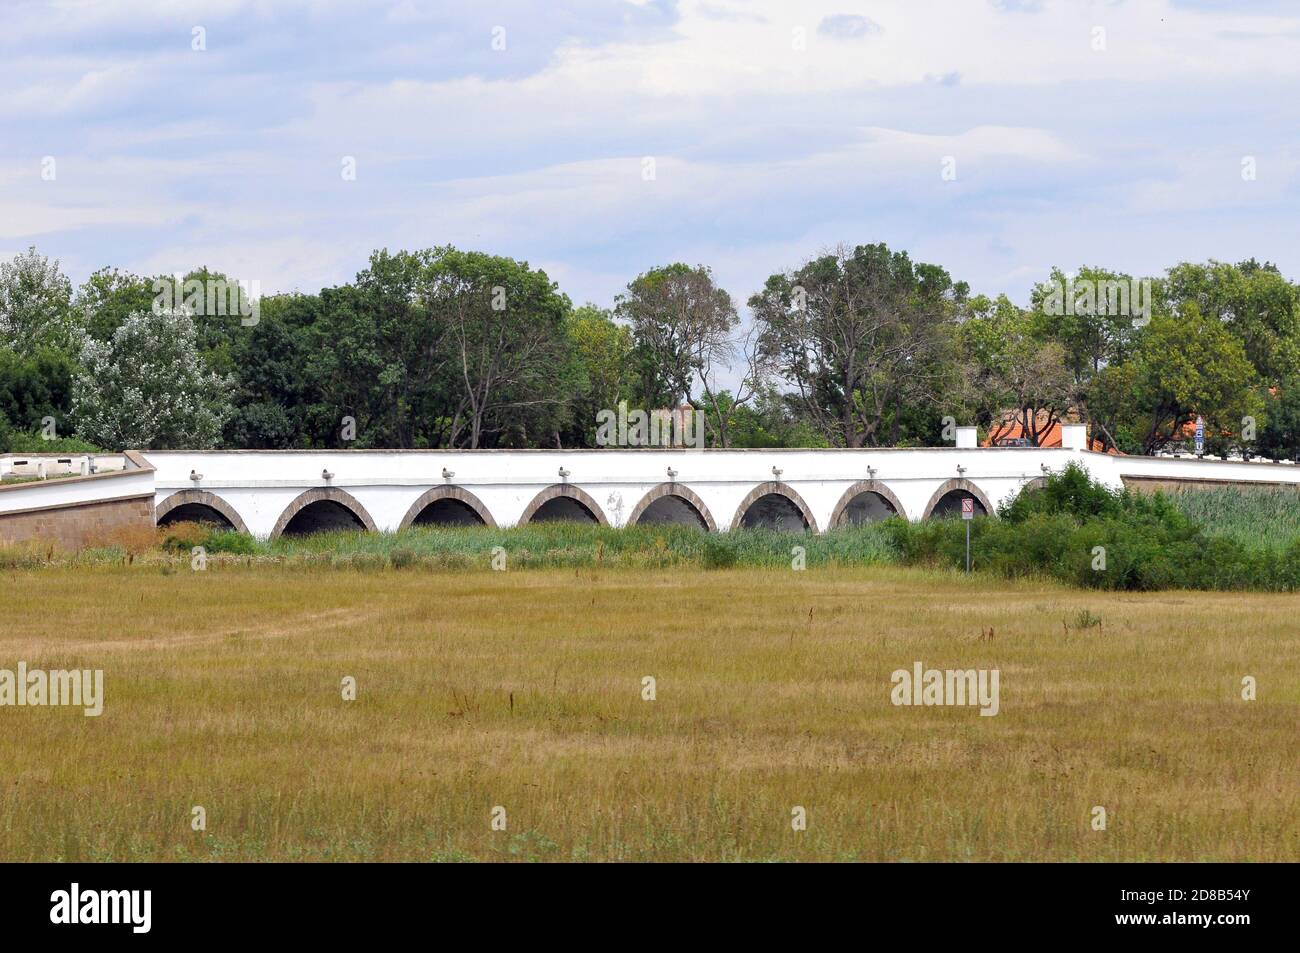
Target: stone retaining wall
(76,526)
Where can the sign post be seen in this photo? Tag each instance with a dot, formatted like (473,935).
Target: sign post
(967,514)
(1200,436)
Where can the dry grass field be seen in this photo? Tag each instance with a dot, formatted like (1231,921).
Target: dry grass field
(524,690)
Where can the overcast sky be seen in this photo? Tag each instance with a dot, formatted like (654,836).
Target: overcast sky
(1107,133)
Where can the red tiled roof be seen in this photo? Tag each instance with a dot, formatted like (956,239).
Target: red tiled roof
(1009,429)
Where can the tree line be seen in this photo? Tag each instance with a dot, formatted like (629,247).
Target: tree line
(445,348)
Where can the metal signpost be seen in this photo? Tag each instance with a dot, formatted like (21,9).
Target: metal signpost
(967,514)
(1200,436)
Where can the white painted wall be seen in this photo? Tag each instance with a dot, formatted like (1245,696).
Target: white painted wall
(259,485)
(73,490)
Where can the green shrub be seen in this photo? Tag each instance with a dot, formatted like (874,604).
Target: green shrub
(717,555)
(183,537)
(1081,532)
(1072,492)
(231,541)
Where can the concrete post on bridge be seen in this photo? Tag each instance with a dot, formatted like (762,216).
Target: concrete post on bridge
(1074,436)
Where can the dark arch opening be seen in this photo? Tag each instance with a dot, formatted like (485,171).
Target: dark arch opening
(322,516)
(949,505)
(774,511)
(563,509)
(448,512)
(195,513)
(867,507)
(674,510)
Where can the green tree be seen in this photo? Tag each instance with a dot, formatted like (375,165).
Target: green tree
(213,301)
(858,334)
(277,402)
(32,388)
(36,306)
(1111,407)
(682,323)
(378,352)
(1096,315)
(108,297)
(148,387)
(1253,301)
(505,326)
(1280,436)
(1189,365)
(1015,375)
(770,421)
(602,352)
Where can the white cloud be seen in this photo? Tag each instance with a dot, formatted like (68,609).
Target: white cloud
(765,152)
(1143,41)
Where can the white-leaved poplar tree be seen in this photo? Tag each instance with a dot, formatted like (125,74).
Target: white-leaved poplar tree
(36,306)
(148,387)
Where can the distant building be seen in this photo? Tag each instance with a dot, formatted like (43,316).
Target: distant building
(1008,431)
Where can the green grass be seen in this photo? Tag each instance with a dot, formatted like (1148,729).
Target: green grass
(572,545)
(222,689)
(1258,519)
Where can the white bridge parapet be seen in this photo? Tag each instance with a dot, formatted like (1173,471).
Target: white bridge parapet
(262,491)
(266,492)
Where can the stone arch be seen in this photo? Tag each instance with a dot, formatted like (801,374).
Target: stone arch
(961,485)
(459,494)
(1030,484)
(856,490)
(681,492)
(557,490)
(779,489)
(320,494)
(200,498)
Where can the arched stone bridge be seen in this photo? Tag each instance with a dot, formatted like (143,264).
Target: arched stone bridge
(272,494)
(269,493)
(86,499)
